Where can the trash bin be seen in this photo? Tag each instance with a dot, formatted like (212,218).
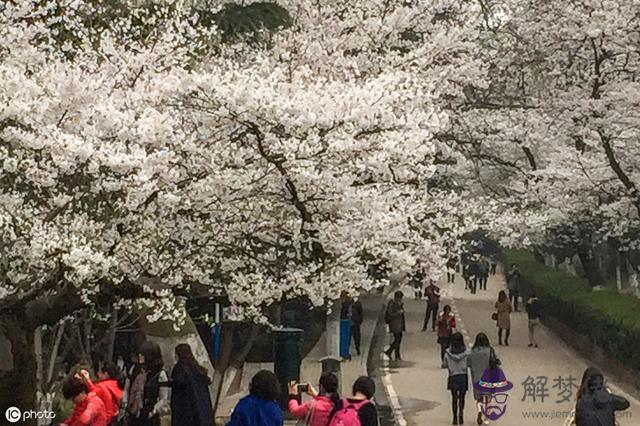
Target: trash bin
(345,337)
(286,359)
(331,364)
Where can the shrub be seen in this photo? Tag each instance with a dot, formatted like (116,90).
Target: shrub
(609,319)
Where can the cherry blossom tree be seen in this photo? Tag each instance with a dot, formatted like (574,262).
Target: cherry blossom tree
(143,157)
(552,134)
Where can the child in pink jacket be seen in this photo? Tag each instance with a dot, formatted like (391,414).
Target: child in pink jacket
(319,409)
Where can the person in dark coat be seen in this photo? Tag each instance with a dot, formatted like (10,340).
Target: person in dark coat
(394,317)
(452,263)
(513,285)
(474,274)
(483,273)
(596,406)
(534,313)
(493,264)
(190,398)
(417,281)
(352,310)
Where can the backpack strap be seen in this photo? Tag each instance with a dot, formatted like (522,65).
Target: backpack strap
(358,405)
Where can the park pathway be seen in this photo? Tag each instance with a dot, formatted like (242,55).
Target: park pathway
(419,384)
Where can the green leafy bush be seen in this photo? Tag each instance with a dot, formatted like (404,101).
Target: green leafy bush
(610,319)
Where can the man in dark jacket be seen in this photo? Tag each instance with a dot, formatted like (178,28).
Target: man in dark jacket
(352,309)
(394,317)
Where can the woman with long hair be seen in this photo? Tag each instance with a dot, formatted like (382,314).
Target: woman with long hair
(456,361)
(446,327)
(317,411)
(190,397)
(481,358)
(148,391)
(503,317)
(596,406)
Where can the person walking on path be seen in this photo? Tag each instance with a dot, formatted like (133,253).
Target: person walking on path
(323,404)
(483,273)
(259,408)
(456,361)
(190,398)
(358,410)
(357,316)
(446,328)
(466,274)
(482,357)
(493,264)
(417,281)
(503,317)
(394,317)
(513,285)
(474,274)
(596,406)
(451,269)
(352,309)
(433,302)
(534,312)
(148,392)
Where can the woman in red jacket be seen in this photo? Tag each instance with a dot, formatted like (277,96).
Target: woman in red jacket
(89,408)
(109,388)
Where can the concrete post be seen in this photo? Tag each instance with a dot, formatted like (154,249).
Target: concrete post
(333,332)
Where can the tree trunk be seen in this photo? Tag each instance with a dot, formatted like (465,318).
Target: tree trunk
(54,354)
(113,325)
(37,348)
(590,266)
(18,386)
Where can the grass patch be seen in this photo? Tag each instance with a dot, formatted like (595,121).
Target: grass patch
(610,319)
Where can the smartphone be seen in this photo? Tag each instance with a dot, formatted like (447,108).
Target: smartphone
(303,387)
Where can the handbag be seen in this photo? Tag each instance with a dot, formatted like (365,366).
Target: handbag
(494,316)
(309,416)
(494,362)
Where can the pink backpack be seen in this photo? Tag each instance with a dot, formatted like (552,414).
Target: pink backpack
(348,414)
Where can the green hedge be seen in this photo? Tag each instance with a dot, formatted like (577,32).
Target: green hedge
(611,320)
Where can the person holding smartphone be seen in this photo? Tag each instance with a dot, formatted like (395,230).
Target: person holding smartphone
(318,410)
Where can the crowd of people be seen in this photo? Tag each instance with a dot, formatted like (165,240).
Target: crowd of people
(595,404)
(140,396)
(324,407)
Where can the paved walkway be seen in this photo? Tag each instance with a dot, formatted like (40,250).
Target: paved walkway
(420,383)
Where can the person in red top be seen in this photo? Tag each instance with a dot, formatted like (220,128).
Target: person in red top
(89,409)
(446,327)
(107,388)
